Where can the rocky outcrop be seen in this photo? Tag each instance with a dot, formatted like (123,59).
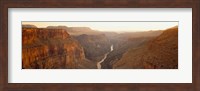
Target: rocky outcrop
(33,35)
(51,48)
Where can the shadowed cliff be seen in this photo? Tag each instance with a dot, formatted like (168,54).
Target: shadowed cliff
(95,46)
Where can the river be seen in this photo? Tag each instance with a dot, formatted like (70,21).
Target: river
(99,63)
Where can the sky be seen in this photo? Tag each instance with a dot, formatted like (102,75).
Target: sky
(110,26)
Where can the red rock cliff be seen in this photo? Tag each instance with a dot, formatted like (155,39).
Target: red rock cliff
(50,48)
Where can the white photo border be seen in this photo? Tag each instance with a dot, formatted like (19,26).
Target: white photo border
(181,75)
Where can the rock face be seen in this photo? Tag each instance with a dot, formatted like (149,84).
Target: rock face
(50,48)
(159,53)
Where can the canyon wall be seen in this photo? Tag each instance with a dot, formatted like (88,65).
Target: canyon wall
(159,53)
(50,48)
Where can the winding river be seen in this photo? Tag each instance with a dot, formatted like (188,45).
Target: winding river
(99,63)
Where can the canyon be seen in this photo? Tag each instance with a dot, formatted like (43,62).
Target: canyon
(62,47)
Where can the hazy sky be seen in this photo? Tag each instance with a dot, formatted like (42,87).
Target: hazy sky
(110,26)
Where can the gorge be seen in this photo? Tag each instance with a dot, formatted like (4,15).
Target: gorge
(105,56)
(62,47)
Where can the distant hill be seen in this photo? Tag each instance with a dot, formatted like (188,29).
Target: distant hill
(140,34)
(28,26)
(75,31)
(161,52)
(57,27)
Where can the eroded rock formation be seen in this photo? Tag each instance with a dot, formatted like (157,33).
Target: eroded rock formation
(50,48)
